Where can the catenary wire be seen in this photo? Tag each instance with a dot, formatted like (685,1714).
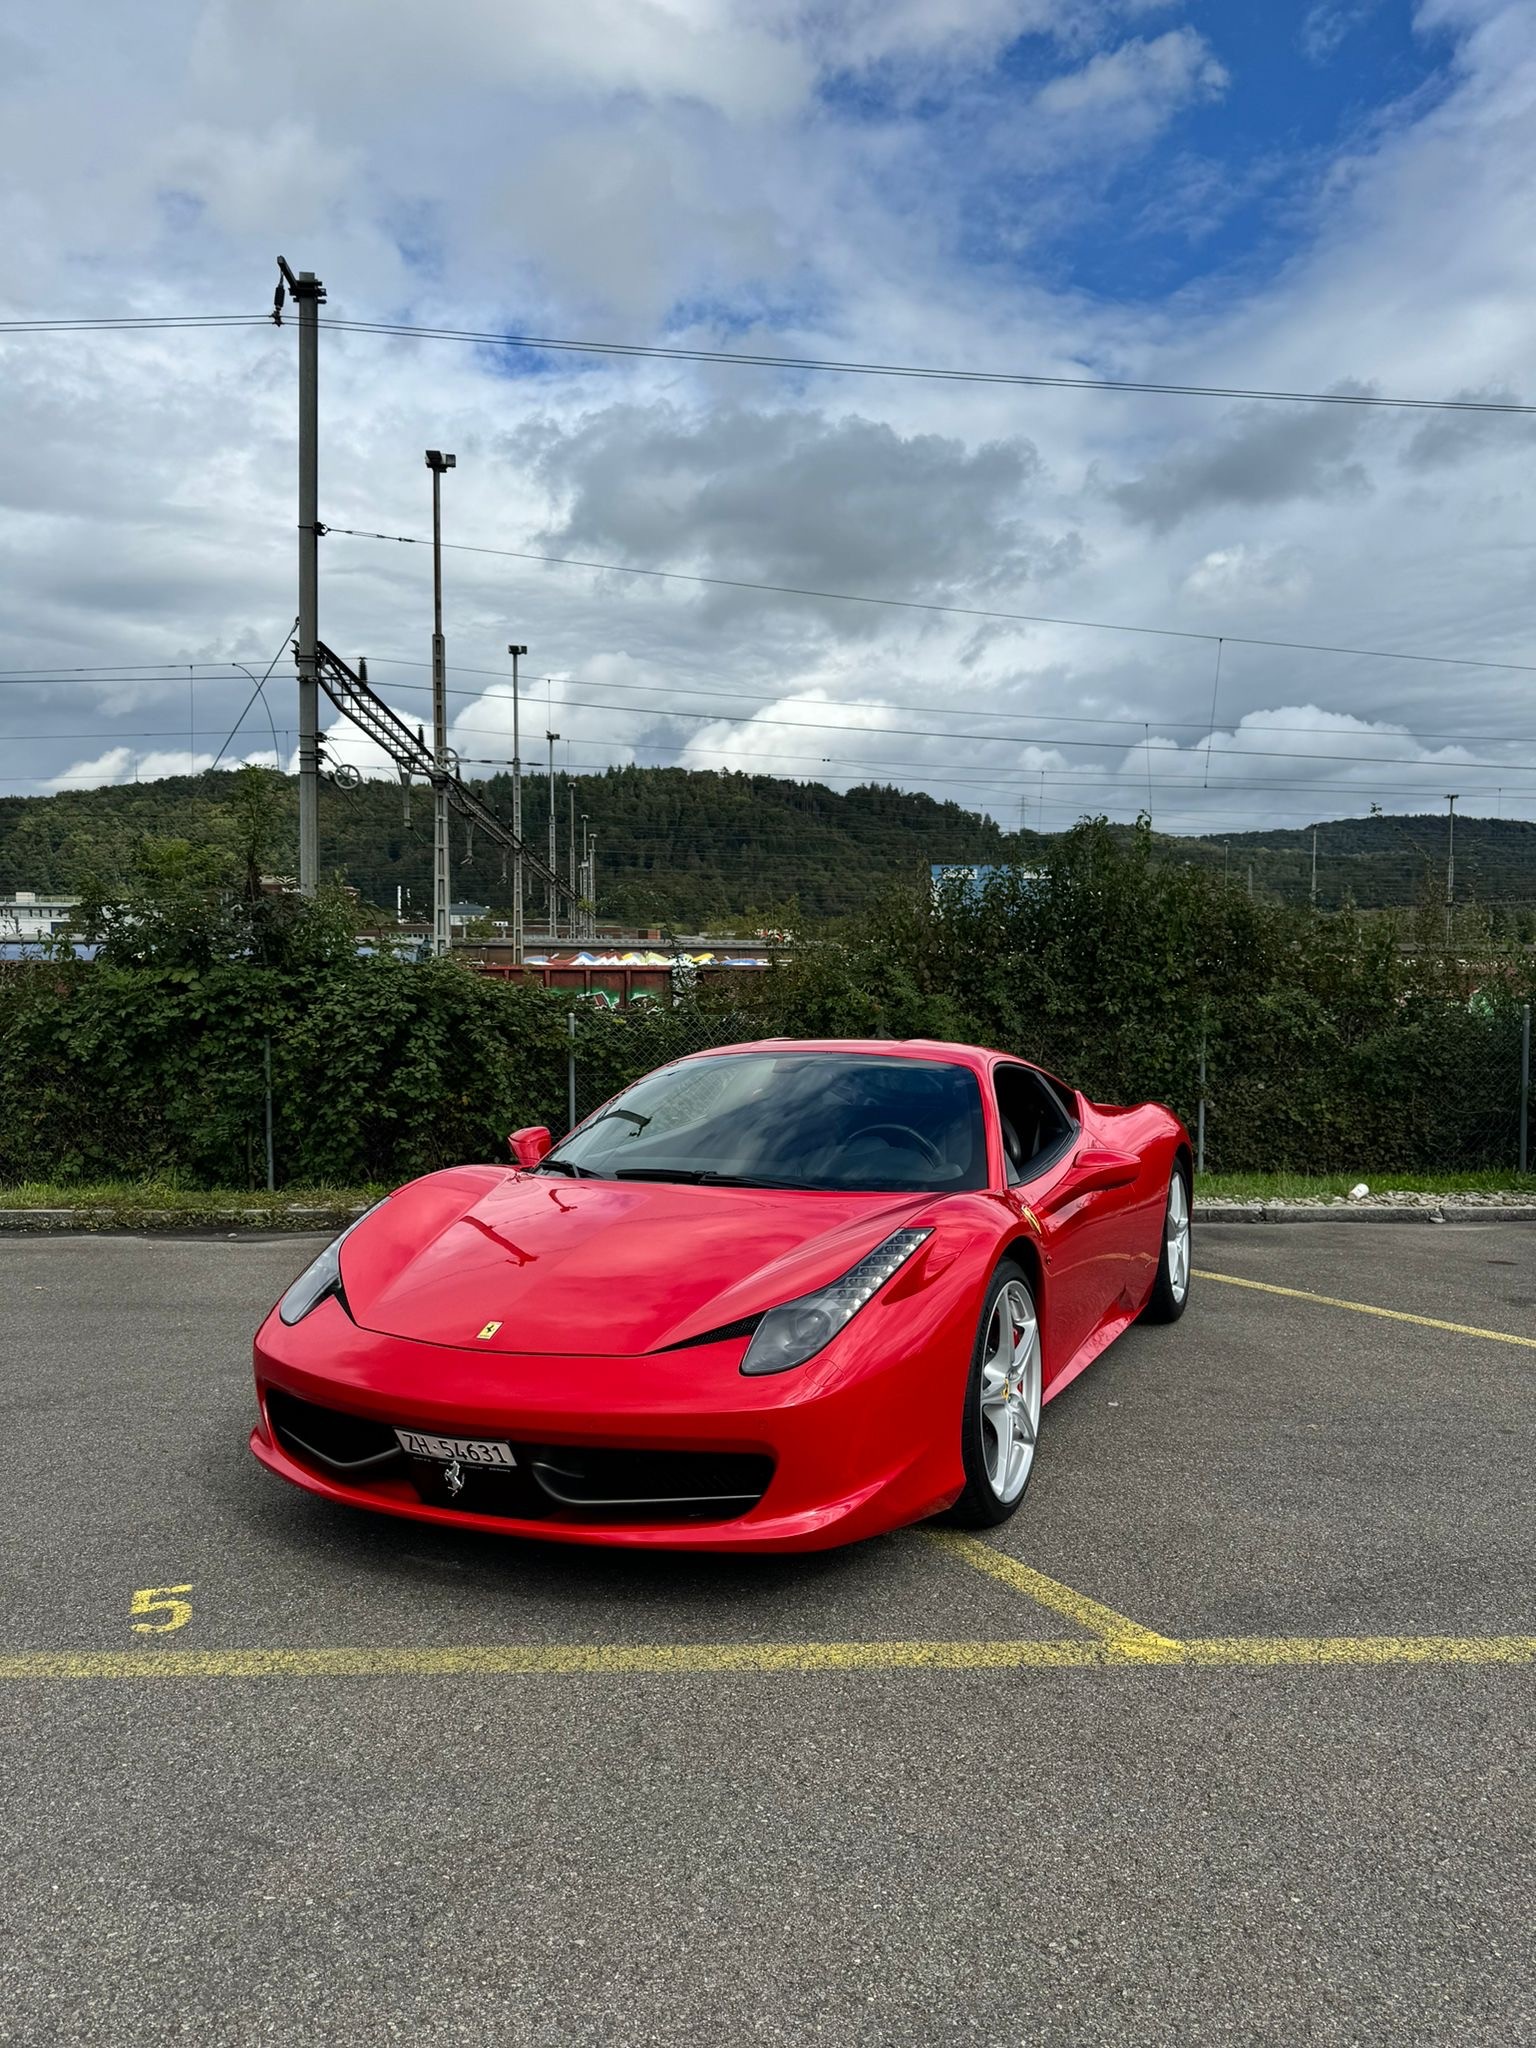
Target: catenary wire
(1490,739)
(1439,768)
(131,322)
(176,672)
(913,604)
(272,664)
(765,360)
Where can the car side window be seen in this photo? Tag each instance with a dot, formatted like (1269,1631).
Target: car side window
(1036,1126)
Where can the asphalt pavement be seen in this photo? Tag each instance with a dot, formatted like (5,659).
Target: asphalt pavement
(1128,1852)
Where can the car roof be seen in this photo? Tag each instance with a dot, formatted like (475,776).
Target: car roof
(976,1057)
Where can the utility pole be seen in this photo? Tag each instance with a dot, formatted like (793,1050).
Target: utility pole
(1314,867)
(570,845)
(592,883)
(554,900)
(586,893)
(1450,863)
(309,295)
(442,934)
(517,818)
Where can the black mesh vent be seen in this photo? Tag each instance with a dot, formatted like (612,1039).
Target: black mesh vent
(549,1482)
(326,1438)
(651,1485)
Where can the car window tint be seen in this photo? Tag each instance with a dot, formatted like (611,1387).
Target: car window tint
(1034,1123)
(823,1120)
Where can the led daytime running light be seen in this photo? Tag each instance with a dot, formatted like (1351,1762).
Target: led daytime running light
(790,1335)
(321,1277)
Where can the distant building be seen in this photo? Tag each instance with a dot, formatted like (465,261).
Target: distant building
(27,915)
(972,881)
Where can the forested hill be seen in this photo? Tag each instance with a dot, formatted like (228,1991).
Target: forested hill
(688,850)
(1384,861)
(675,847)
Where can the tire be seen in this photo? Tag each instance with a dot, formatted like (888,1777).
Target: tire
(1002,1392)
(1170,1291)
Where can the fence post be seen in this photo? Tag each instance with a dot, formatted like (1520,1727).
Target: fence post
(1200,1114)
(267,1074)
(570,1072)
(1525,1085)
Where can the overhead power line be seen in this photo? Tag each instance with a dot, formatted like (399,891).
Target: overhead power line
(1129,748)
(128,322)
(766,360)
(769,692)
(176,672)
(963,611)
(257,692)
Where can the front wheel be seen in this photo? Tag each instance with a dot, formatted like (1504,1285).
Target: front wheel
(1001,1419)
(1170,1291)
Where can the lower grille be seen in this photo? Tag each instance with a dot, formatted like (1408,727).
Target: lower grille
(349,1445)
(549,1482)
(717,1484)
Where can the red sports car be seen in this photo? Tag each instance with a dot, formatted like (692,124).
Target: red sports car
(774,1297)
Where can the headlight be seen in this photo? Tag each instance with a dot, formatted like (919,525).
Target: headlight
(790,1335)
(321,1277)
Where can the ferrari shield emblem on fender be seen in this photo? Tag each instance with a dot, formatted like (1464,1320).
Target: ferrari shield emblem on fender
(453,1478)
(489,1331)
(1030,1217)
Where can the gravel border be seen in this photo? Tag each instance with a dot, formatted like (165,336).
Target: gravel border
(170,1222)
(1410,1209)
(1388,1208)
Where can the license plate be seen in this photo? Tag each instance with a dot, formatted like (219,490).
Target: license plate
(467,1450)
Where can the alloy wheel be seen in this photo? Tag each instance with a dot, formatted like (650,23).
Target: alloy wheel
(1176,1237)
(1010,1391)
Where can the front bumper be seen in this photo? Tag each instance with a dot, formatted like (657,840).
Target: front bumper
(850,1455)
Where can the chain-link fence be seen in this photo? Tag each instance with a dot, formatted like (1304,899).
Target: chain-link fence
(1448,1088)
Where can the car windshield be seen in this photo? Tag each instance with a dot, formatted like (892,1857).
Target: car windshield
(820,1120)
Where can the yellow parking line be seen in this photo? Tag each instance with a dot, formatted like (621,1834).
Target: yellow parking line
(1248,1653)
(1125,1636)
(1266,1652)
(535,1659)
(1367,1308)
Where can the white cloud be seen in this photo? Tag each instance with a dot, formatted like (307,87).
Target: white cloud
(712,172)
(1140,83)
(1232,577)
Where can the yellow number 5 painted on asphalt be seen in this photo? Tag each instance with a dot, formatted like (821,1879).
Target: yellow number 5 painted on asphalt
(158,1600)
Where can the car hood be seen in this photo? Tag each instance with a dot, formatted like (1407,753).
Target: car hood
(535,1263)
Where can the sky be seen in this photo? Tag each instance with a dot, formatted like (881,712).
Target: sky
(1328,198)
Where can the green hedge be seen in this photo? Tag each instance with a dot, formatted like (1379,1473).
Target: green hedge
(1328,1047)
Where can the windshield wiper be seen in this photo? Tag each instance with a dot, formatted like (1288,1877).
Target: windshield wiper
(687,1174)
(706,1176)
(565,1166)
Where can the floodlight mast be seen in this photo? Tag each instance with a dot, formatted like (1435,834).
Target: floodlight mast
(517,817)
(442,934)
(554,876)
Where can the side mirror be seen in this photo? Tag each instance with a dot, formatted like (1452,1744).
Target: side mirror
(1091,1172)
(529,1145)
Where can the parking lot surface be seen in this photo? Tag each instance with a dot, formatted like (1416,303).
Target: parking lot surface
(1225,1738)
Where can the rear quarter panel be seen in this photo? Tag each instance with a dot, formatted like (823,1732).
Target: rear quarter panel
(1155,1135)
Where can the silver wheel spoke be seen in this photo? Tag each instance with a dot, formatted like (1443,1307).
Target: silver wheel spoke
(1176,1237)
(1010,1391)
